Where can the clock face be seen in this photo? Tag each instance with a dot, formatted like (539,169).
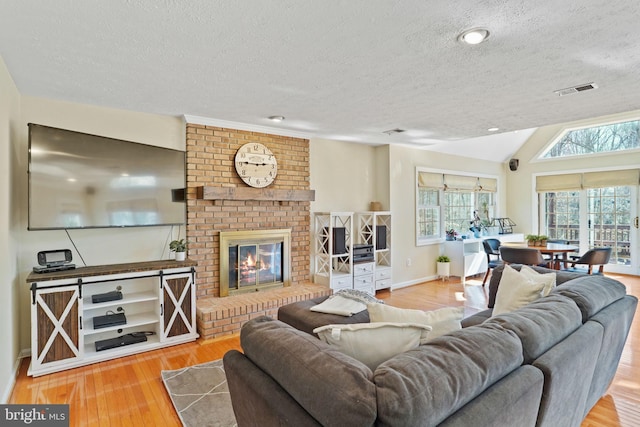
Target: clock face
(256,165)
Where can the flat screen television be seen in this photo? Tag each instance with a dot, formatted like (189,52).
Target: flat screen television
(77,180)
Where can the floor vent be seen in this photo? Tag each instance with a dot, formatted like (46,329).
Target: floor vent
(576,89)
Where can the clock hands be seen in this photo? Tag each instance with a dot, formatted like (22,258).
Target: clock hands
(257,160)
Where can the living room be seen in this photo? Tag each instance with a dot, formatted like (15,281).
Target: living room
(346,176)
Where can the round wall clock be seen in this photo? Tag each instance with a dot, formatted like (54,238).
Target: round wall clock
(256,165)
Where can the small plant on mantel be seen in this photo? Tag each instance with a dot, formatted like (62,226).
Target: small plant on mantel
(180,248)
(178,245)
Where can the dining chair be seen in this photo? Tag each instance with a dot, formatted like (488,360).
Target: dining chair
(595,256)
(492,249)
(518,255)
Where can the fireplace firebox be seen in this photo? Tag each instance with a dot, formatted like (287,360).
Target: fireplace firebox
(254,260)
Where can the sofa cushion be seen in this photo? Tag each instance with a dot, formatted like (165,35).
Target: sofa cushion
(289,355)
(373,343)
(496,275)
(420,387)
(515,291)
(442,321)
(541,324)
(299,315)
(592,293)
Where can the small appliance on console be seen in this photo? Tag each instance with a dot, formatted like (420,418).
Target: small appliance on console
(362,253)
(56,260)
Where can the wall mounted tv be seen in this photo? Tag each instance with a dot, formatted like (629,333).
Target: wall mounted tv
(77,180)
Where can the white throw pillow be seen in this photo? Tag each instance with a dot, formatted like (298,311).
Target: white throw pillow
(442,321)
(549,279)
(372,343)
(515,290)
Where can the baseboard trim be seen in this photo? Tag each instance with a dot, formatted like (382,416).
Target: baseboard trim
(413,282)
(16,369)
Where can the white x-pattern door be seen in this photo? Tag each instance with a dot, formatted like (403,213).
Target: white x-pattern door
(58,321)
(178,310)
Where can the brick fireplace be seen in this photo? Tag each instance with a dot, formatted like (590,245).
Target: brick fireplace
(217,201)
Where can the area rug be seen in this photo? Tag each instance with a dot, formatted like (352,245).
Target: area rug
(200,395)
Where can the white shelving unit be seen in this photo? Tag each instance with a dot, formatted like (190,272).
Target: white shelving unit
(332,231)
(369,226)
(158,299)
(468,257)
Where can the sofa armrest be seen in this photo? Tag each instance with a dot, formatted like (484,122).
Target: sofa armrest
(257,399)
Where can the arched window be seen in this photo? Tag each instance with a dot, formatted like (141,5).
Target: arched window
(599,139)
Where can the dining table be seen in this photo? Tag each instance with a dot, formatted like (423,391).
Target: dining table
(551,249)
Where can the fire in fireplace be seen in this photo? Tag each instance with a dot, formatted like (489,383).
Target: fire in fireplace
(254,260)
(253,265)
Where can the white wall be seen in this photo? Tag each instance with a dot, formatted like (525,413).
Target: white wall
(343,176)
(10,286)
(97,246)
(402,166)
(521,198)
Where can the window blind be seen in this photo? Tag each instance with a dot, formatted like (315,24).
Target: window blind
(578,181)
(566,182)
(611,178)
(460,182)
(430,180)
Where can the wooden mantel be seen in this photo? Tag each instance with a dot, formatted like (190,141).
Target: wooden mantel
(247,193)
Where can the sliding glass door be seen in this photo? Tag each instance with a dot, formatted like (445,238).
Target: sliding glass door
(596,217)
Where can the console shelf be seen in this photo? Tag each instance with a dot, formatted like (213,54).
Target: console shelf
(158,298)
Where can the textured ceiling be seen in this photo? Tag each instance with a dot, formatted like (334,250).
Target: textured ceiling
(346,70)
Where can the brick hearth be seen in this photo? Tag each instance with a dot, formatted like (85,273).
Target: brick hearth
(210,163)
(225,316)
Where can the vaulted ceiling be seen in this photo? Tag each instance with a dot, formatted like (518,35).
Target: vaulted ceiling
(347,70)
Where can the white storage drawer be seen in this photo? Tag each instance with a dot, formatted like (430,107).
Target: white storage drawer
(342,282)
(361,269)
(383,273)
(383,284)
(360,281)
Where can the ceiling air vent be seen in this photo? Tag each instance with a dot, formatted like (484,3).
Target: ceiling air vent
(576,89)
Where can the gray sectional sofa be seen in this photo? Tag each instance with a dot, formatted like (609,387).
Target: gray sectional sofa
(545,364)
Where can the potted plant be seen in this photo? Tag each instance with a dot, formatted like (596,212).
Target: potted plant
(180,248)
(443,266)
(542,240)
(451,234)
(532,239)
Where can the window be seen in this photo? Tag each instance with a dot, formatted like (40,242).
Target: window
(598,139)
(561,215)
(428,213)
(445,202)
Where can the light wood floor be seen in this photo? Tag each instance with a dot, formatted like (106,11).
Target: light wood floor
(129,391)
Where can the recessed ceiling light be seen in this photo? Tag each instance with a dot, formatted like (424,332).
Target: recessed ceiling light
(474,36)
(493,129)
(276,118)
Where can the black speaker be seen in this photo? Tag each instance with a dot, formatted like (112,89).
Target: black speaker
(513,164)
(339,241)
(381,237)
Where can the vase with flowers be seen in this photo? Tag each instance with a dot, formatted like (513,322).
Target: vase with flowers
(451,234)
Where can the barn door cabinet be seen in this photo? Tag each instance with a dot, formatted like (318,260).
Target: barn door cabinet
(158,301)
